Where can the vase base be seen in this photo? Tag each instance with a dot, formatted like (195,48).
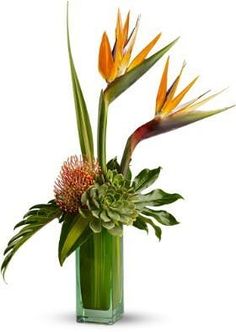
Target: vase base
(99,316)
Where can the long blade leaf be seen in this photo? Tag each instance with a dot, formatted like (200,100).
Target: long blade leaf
(82,116)
(75,230)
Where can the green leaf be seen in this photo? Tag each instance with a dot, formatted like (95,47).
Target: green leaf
(75,231)
(145,178)
(140,224)
(42,206)
(122,83)
(82,116)
(163,217)
(157,229)
(113,165)
(38,216)
(156,197)
(128,177)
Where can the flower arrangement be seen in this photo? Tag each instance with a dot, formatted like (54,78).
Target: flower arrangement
(94,196)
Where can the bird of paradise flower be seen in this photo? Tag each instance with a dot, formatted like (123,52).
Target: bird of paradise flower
(120,71)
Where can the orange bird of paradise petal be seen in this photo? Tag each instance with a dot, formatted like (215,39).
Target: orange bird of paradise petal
(115,62)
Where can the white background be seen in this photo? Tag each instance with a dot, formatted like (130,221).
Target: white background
(187,281)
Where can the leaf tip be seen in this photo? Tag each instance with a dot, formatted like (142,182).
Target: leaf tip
(3,273)
(61,260)
(178,196)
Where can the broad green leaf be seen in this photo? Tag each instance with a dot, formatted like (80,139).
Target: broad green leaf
(128,177)
(163,217)
(75,230)
(156,197)
(38,206)
(157,229)
(82,116)
(37,217)
(124,82)
(113,165)
(145,178)
(140,224)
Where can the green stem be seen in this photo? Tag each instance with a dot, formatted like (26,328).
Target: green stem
(102,131)
(145,131)
(126,158)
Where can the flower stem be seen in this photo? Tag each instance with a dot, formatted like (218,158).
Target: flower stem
(102,131)
(126,157)
(145,131)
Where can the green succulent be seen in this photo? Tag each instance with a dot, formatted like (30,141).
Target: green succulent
(111,204)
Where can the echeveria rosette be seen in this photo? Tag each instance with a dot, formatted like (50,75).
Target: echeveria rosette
(112,204)
(169,113)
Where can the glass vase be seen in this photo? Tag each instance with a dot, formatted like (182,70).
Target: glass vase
(99,279)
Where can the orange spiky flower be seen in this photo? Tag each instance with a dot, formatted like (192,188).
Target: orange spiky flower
(116,61)
(75,178)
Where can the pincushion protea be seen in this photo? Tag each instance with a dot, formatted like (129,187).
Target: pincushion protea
(75,178)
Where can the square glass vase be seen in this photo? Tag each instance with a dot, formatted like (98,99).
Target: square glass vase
(99,279)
